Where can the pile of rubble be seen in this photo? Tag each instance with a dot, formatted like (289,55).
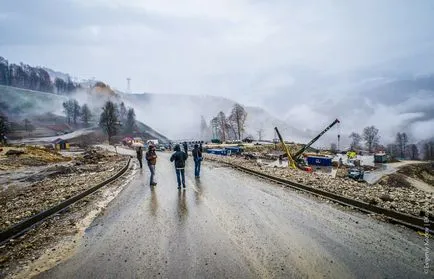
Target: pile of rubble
(55,184)
(91,156)
(404,199)
(15,157)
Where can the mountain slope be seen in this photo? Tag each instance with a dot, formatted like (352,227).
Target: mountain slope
(19,103)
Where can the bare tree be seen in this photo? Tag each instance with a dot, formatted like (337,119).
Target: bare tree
(413,152)
(72,110)
(222,125)
(231,130)
(67,109)
(355,141)
(237,119)
(371,137)
(28,126)
(401,141)
(428,150)
(392,149)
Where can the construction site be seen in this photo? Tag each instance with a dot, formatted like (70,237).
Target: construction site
(404,186)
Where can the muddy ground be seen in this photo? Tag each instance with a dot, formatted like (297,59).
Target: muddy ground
(388,193)
(33,187)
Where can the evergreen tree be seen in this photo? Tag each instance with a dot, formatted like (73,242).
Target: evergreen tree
(130,122)
(108,120)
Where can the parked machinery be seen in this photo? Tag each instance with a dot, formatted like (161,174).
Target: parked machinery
(356,173)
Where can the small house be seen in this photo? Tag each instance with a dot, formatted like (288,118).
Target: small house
(60,144)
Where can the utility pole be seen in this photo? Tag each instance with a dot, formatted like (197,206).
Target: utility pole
(128,85)
(260,134)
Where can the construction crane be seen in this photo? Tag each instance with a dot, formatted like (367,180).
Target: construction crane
(291,162)
(294,159)
(299,152)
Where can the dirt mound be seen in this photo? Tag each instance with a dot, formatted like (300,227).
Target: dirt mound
(395,180)
(15,157)
(91,156)
(424,172)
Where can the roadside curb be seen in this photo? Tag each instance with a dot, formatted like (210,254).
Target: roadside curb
(25,225)
(407,220)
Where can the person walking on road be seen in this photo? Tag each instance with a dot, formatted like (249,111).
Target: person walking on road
(197,157)
(185,147)
(179,158)
(139,152)
(151,157)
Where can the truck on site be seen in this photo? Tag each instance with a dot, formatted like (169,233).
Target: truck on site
(152,141)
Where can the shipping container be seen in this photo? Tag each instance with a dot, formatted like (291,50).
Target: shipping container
(319,161)
(234,149)
(380,158)
(217,151)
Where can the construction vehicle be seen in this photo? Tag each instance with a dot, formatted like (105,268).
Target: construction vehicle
(356,173)
(291,162)
(295,159)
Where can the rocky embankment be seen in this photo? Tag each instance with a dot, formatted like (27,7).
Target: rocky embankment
(388,193)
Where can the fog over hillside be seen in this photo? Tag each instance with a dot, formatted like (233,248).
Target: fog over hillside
(304,62)
(179,116)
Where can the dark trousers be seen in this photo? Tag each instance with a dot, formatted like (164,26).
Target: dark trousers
(152,170)
(197,167)
(140,162)
(180,175)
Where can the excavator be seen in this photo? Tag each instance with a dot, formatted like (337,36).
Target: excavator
(294,161)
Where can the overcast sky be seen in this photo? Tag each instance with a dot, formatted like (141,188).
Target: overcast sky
(280,55)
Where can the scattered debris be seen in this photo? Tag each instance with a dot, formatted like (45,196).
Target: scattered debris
(14,152)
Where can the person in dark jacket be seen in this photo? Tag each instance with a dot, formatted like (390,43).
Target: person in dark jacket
(179,158)
(197,157)
(139,152)
(185,147)
(151,157)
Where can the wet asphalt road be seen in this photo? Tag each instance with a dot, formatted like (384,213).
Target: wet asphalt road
(231,225)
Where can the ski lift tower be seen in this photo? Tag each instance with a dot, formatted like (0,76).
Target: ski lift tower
(128,85)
